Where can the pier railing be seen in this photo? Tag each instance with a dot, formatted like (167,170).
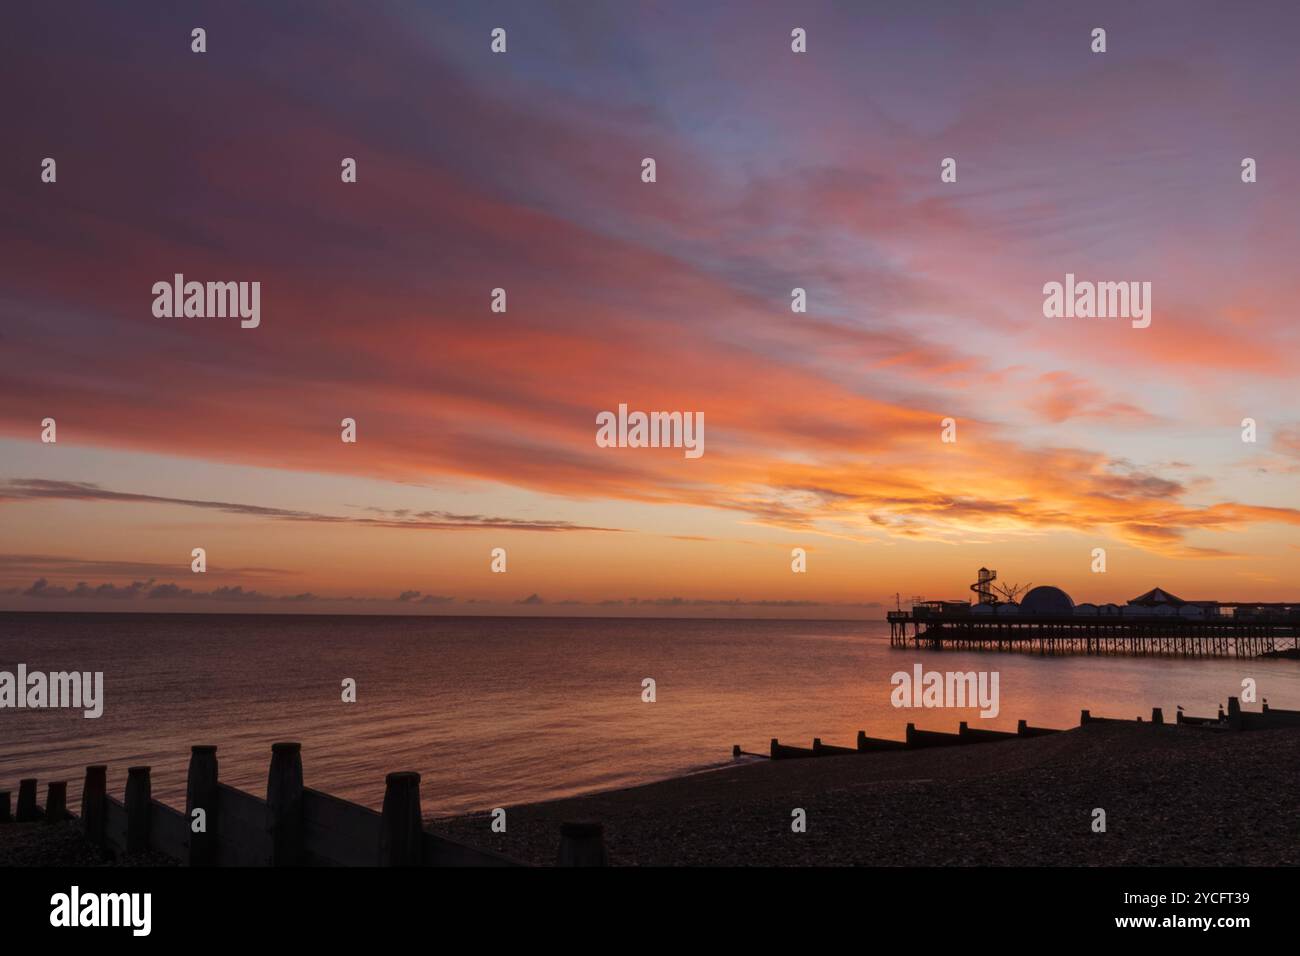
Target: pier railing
(294,826)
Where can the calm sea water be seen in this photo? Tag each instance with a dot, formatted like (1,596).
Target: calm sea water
(495,712)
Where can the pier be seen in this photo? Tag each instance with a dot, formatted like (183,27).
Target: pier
(1179,638)
(1047,621)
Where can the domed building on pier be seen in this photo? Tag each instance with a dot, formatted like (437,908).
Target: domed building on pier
(1047,601)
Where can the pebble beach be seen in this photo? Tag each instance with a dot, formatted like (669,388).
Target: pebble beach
(1173,796)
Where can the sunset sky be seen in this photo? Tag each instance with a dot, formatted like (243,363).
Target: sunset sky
(522,170)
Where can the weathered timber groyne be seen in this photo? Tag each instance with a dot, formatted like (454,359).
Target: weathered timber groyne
(1233,719)
(294,826)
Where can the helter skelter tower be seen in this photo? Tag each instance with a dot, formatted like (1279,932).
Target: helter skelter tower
(984,586)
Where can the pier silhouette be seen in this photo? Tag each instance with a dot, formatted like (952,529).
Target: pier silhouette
(1047,621)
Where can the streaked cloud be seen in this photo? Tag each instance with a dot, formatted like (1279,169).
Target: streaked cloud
(35,489)
(520,172)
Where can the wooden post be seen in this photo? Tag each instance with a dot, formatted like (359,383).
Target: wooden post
(1234,713)
(582,844)
(6,815)
(201,794)
(401,828)
(1022,727)
(284,804)
(1157,715)
(1084,717)
(775,745)
(139,808)
(910,734)
(735,750)
(27,810)
(93,792)
(56,801)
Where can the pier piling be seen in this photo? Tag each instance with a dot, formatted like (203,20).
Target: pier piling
(1225,629)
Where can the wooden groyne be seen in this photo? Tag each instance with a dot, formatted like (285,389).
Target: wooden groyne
(978,735)
(866,743)
(294,826)
(1268,718)
(914,739)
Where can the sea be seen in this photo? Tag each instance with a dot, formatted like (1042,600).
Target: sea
(495,712)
